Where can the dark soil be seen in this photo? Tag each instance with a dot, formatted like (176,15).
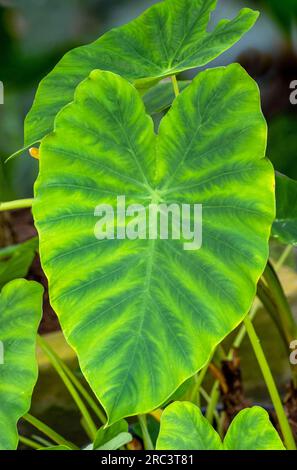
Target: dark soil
(291,408)
(18,227)
(233,397)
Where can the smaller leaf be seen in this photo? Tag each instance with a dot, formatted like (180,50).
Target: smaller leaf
(16,260)
(183,427)
(285,225)
(105,435)
(251,429)
(161,96)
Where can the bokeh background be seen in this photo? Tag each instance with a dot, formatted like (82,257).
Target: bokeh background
(34,35)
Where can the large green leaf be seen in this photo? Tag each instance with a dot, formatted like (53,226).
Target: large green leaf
(285,225)
(166,39)
(183,427)
(145,315)
(20,314)
(16,260)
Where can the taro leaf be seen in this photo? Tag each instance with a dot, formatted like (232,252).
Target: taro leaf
(166,39)
(160,97)
(145,315)
(251,429)
(104,435)
(183,427)
(16,260)
(20,314)
(285,225)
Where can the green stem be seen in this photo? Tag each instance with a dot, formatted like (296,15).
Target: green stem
(269,305)
(29,442)
(214,398)
(84,393)
(47,431)
(147,442)
(278,296)
(81,406)
(242,332)
(194,397)
(274,395)
(207,398)
(282,259)
(13,205)
(175,85)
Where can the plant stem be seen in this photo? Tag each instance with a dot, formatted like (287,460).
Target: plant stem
(194,397)
(13,205)
(275,398)
(28,442)
(214,397)
(175,85)
(207,398)
(147,442)
(53,435)
(81,406)
(278,296)
(283,257)
(242,332)
(89,399)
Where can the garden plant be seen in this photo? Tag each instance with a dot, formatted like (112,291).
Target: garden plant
(148,316)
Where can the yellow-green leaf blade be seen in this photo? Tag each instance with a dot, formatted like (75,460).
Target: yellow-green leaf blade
(183,427)
(166,39)
(120,301)
(251,429)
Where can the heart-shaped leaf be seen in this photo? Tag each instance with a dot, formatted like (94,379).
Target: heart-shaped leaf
(166,39)
(144,314)
(20,314)
(251,429)
(285,225)
(183,427)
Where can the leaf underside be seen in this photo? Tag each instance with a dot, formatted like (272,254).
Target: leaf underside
(120,301)
(20,314)
(166,39)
